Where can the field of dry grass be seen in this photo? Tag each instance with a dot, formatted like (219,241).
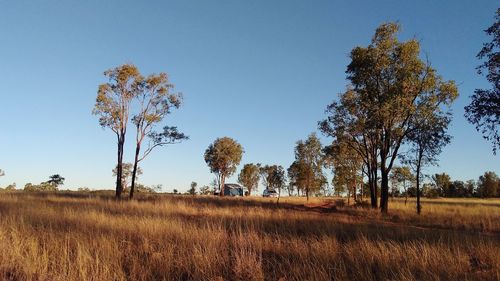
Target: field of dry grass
(78,236)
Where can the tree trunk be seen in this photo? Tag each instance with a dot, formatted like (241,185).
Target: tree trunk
(348,195)
(419,206)
(354,190)
(372,182)
(406,191)
(134,171)
(119,168)
(221,183)
(384,194)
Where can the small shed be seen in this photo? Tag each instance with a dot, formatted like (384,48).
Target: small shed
(233,189)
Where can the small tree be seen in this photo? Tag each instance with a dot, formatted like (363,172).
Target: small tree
(403,175)
(205,190)
(56,180)
(274,178)
(310,158)
(127,173)
(427,139)
(347,166)
(192,190)
(222,157)
(113,107)
(249,177)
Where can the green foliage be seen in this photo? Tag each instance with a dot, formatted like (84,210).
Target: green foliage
(249,177)
(127,173)
(222,157)
(442,182)
(489,185)
(113,107)
(56,180)
(10,187)
(205,190)
(346,164)
(273,177)
(484,109)
(306,173)
(44,186)
(192,189)
(389,86)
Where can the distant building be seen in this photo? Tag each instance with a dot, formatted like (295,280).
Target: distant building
(232,189)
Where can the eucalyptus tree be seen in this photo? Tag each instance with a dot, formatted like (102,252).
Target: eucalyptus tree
(222,157)
(347,167)
(113,107)
(310,158)
(427,139)
(249,177)
(155,100)
(389,85)
(347,124)
(484,109)
(273,177)
(402,175)
(127,173)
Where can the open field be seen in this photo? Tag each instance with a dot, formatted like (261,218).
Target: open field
(79,236)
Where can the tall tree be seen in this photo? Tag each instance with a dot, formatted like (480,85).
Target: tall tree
(310,158)
(222,157)
(155,101)
(56,180)
(427,139)
(273,177)
(489,185)
(113,107)
(390,84)
(249,177)
(127,173)
(484,109)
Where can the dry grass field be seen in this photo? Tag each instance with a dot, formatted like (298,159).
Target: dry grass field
(78,236)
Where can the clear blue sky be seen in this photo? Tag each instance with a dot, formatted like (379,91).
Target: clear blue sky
(261,72)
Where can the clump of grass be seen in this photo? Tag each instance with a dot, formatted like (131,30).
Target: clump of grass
(76,237)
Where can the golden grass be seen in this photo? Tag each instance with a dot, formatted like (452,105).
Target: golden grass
(76,237)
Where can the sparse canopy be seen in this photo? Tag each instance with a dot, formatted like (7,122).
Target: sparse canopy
(113,107)
(155,99)
(249,177)
(484,109)
(273,177)
(222,157)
